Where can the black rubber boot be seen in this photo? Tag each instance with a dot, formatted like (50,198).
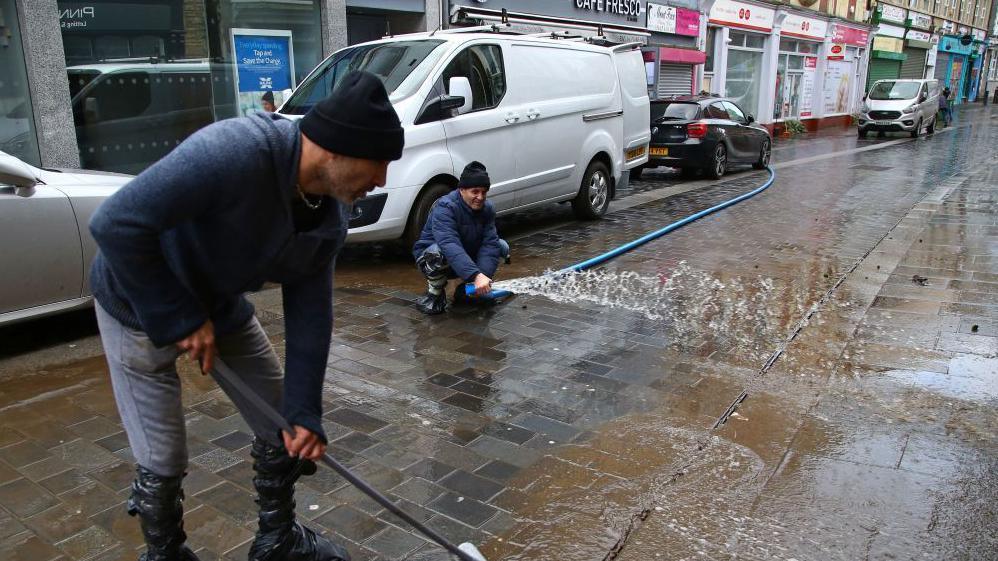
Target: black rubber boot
(280,537)
(158,502)
(432,304)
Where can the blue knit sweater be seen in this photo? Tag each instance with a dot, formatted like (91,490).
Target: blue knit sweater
(183,241)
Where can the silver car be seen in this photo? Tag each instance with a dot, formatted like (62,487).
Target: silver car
(899,106)
(45,245)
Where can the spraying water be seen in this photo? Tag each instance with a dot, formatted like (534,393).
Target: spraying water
(690,303)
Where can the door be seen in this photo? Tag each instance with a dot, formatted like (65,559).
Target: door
(564,95)
(913,66)
(674,79)
(718,118)
(743,135)
(485,132)
(41,259)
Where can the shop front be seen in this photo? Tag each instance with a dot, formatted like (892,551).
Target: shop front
(369,20)
(800,45)
(917,44)
(842,86)
(739,39)
(672,42)
(668,31)
(954,66)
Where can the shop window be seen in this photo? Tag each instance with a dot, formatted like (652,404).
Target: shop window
(77,49)
(754,41)
(482,66)
(109,46)
(744,78)
(148,45)
(788,45)
(17,129)
(708,65)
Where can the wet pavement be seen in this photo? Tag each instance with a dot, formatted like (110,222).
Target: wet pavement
(810,374)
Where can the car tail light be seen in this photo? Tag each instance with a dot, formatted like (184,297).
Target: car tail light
(696,130)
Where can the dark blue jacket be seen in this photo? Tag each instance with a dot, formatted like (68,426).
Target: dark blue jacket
(182,242)
(467,238)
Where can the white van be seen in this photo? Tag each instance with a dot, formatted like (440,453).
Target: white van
(552,119)
(899,106)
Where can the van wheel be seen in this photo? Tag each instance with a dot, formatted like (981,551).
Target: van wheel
(917,130)
(718,162)
(594,193)
(932,126)
(421,212)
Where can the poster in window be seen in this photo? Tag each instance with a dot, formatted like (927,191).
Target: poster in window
(264,59)
(807,86)
(837,86)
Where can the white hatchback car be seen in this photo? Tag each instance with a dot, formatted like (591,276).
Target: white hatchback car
(45,245)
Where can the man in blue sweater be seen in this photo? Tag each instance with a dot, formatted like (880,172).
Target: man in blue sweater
(239,203)
(460,240)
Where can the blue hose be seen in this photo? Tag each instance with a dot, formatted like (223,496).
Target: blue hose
(617,252)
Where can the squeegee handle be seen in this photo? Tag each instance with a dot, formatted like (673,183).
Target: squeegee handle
(247,392)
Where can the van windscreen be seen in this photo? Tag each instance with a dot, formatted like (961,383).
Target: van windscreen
(392,62)
(895,90)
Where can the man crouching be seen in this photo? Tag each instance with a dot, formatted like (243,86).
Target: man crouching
(460,241)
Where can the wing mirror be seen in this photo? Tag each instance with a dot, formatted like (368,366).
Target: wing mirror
(751,119)
(17,173)
(461,87)
(441,107)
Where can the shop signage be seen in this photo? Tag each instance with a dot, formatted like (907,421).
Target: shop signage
(807,86)
(838,74)
(915,35)
(851,36)
(920,21)
(628,8)
(102,16)
(948,26)
(678,21)
(888,44)
(808,28)
(744,15)
(264,60)
(980,35)
(837,51)
(885,30)
(886,12)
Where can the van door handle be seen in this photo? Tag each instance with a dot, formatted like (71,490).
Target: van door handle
(512,117)
(533,114)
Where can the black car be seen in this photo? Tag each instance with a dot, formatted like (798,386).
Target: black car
(706,133)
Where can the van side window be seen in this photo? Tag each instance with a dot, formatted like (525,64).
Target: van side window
(482,65)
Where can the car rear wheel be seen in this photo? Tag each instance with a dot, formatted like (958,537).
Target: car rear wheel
(764,155)
(421,212)
(594,193)
(718,162)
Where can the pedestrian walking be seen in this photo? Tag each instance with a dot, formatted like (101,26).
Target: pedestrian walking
(241,202)
(460,240)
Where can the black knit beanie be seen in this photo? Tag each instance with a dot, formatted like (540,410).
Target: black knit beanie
(356,120)
(474,175)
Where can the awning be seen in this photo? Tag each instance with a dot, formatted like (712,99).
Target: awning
(678,54)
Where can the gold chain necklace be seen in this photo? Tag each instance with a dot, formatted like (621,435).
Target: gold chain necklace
(308,203)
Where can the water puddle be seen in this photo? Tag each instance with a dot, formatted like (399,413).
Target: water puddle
(970,378)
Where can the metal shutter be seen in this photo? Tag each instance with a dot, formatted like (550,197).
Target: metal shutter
(882,69)
(914,65)
(942,67)
(675,79)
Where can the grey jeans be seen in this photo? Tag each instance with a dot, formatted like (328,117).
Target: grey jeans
(147,389)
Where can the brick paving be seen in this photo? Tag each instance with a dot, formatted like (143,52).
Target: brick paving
(543,430)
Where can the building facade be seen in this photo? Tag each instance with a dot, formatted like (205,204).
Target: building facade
(116,84)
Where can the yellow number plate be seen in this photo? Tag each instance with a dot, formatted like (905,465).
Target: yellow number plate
(635,153)
(654,151)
